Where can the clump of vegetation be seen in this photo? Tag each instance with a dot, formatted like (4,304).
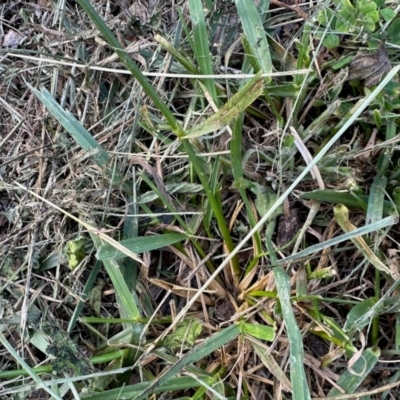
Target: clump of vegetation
(200,200)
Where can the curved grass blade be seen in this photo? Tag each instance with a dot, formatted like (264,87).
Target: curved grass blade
(269,361)
(126,59)
(342,218)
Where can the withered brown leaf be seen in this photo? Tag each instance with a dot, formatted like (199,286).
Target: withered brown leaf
(370,67)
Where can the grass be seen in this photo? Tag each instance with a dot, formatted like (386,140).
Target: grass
(197,203)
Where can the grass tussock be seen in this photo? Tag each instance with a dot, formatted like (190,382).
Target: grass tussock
(199,200)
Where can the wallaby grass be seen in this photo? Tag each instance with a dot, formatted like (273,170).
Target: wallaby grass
(199,200)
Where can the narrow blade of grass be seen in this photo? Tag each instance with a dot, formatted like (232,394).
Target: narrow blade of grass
(230,111)
(140,245)
(201,46)
(184,61)
(129,63)
(260,56)
(130,392)
(350,200)
(86,290)
(297,373)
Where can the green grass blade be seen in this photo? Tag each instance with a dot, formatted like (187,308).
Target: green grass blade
(201,46)
(350,200)
(128,305)
(132,391)
(349,381)
(259,331)
(236,147)
(197,353)
(246,95)
(297,373)
(260,56)
(376,200)
(86,290)
(184,61)
(332,196)
(140,244)
(73,126)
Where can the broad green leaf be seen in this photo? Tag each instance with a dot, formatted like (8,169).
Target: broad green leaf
(387,14)
(349,381)
(396,197)
(325,16)
(353,322)
(393,31)
(265,199)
